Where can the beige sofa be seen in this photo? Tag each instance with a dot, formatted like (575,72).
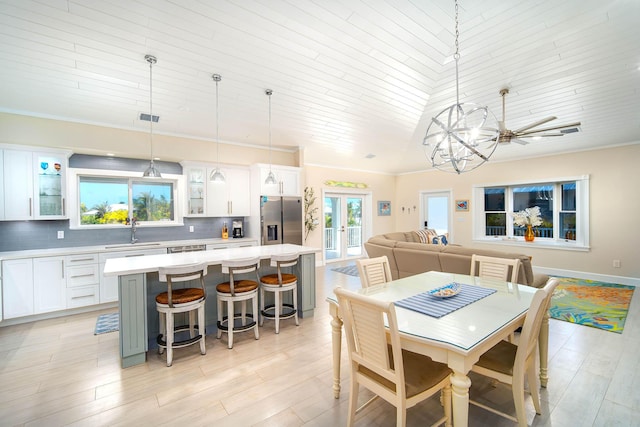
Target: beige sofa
(408,256)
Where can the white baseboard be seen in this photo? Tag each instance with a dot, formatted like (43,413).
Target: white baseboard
(60,313)
(632,281)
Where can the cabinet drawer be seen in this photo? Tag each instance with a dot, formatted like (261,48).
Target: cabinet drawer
(81,296)
(80,259)
(81,275)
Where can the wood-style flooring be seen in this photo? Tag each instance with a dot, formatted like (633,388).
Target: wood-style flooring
(56,372)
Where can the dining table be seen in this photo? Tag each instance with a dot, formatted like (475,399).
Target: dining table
(456,337)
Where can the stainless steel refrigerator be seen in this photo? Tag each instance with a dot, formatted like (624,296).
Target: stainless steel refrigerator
(281,220)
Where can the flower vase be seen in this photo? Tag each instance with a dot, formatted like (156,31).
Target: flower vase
(529,234)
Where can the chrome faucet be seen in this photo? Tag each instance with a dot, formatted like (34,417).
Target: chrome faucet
(134,226)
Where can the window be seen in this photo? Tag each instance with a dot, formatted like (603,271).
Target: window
(109,199)
(563,207)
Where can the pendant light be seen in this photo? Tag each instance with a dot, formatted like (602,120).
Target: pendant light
(151,171)
(459,138)
(271,178)
(216,174)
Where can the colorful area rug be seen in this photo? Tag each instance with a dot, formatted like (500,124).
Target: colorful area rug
(351,270)
(107,323)
(591,303)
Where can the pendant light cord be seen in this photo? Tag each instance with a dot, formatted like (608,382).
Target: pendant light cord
(151,61)
(269,92)
(217,79)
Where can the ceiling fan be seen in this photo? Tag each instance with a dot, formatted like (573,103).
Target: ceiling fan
(529,131)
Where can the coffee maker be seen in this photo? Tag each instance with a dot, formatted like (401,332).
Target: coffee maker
(236,229)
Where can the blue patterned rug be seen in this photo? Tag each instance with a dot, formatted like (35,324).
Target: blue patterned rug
(107,323)
(351,270)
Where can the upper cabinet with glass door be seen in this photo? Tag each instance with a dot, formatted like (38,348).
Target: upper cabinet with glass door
(196,190)
(34,184)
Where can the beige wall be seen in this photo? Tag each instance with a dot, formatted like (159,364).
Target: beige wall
(614,232)
(98,140)
(381,187)
(614,173)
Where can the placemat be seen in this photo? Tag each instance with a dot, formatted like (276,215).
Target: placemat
(438,307)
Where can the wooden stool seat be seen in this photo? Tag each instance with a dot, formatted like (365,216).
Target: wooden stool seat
(240,286)
(181,296)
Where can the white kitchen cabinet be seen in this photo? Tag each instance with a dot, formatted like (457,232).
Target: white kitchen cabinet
(196,191)
(33,184)
(49,285)
(83,280)
(287,180)
(109,284)
(17,288)
(232,197)
(18,184)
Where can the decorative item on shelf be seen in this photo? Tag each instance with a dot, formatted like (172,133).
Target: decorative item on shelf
(216,174)
(271,178)
(530,217)
(310,220)
(460,138)
(152,171)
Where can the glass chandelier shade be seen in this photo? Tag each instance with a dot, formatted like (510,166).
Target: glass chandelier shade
(463,136)
(217,175)
(152,171)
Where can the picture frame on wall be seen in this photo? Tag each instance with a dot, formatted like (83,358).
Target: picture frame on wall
(384,208)
(462,205)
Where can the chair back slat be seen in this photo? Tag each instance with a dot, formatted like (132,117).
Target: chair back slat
(374,271)
(365,321)
(495,267)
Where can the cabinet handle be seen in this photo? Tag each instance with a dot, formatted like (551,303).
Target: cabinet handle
(62,263)
(81,275)
(30,206)
(230,207)
(63,207)
(81,259)
(129,256)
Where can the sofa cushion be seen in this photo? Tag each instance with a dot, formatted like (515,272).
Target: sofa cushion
(413,258)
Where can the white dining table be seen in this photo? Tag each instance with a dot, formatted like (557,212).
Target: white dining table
(458,338)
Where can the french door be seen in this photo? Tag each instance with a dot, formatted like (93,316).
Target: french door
(343,224)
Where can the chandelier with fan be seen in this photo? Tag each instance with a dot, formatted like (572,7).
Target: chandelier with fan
(521,135)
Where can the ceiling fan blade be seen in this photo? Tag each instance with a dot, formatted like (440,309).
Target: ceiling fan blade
(519,141)
(532,125)
(539,135)
(565,126)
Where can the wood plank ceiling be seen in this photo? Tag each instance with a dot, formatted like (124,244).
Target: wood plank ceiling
(350,78)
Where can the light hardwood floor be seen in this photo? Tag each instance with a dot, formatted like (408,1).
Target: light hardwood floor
(56,372)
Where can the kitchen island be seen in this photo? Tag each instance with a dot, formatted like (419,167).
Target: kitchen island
(138,285)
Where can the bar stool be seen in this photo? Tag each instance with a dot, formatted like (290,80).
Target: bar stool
(191,300)
(278,283)
(238,290)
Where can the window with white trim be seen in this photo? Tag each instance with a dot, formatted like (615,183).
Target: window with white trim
(563,206)
(106,199)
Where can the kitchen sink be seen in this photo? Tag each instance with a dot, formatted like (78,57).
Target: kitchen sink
(131,245)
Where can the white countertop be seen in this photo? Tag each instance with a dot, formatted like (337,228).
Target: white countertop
(151,263)
(33,253)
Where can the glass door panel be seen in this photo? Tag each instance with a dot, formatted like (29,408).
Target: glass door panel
(50,188)
(342,227)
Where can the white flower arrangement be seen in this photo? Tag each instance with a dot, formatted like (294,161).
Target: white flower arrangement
(529,216)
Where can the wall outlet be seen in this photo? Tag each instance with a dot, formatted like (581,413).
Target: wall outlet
(616,263)
(191,229)
(60,234)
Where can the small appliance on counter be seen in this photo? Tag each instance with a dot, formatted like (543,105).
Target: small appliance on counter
(225,231)
(236,229)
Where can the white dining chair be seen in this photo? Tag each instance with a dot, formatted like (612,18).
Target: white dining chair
(374,271)
(495,267)
(512,364)
(400,377)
